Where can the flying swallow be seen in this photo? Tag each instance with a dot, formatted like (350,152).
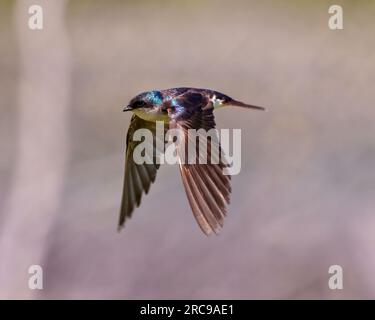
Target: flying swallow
(207,188)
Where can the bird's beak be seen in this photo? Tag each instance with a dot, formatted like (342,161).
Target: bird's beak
(127,108)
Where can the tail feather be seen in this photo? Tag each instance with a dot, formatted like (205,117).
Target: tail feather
(244,105)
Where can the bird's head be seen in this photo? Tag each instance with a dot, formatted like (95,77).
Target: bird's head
(145,100)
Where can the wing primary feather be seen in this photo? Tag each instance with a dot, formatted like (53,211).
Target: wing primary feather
(207,188)
(197,201)
(201,182)
(199,216)
(138,177)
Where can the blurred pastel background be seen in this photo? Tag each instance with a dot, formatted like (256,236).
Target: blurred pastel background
(303,201)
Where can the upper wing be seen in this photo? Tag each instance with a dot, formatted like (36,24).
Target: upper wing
(207,188)
(138,177)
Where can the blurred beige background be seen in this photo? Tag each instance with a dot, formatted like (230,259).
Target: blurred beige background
(304,199)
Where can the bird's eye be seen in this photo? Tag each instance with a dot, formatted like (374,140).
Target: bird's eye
(139,104)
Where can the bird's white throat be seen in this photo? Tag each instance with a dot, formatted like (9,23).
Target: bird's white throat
(149,114)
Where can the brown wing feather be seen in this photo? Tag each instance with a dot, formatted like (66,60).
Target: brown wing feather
(207,188)
(137,178)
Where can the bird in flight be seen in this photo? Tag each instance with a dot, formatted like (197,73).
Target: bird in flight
(207,188)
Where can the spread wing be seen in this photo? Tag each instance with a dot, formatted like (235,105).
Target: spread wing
(138,177)
(207,188)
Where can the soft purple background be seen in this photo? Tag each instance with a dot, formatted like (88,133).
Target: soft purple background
(304,199)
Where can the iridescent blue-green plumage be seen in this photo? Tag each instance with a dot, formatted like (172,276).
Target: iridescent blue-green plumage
(207,188)
(152,97)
